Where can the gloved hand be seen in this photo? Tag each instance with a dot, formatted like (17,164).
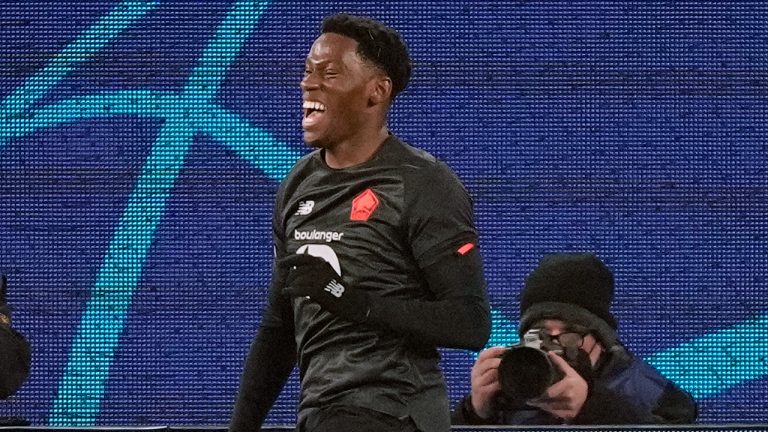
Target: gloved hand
(314,277)
(5,310)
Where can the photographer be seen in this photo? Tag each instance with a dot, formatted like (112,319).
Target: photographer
(14,350)
(594,380)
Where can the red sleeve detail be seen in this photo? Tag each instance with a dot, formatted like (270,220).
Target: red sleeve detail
(464,249)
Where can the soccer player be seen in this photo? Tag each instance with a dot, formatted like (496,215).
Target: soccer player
(376,255)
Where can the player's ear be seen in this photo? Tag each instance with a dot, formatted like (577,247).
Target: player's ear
(381,90)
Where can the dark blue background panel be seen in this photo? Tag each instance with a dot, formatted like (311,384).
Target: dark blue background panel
(142,142)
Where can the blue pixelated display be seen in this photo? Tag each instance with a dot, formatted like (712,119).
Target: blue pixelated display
(141,144)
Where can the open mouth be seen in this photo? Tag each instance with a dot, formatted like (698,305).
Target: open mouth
(312,112)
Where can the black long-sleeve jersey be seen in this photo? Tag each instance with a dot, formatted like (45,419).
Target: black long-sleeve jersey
(400,228)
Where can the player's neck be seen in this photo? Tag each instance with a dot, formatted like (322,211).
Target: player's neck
(355,150)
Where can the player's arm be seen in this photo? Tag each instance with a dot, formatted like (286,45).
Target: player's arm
(272,354)
(271,358)
(458,317)
(439,223)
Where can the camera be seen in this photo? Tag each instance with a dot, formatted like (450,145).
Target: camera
(526,371)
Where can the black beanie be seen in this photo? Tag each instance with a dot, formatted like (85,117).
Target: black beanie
(572,287)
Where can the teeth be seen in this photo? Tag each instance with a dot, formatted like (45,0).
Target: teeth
(317,106)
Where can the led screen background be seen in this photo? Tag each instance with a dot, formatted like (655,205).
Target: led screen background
(141,144)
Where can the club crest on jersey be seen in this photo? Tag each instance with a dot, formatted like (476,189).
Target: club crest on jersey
(364,205)
(305,207)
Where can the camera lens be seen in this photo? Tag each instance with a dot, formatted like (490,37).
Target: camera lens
(525,373)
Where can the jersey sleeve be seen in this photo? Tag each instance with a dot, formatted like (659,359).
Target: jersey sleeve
(272,354)
(444,243)
(439,214)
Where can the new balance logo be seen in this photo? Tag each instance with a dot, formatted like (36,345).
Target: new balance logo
(336,289)
(305,207)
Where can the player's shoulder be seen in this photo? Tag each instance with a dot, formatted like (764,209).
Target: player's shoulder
(424,174)
(300,170)
(302,165)
(410,155)
(421,165)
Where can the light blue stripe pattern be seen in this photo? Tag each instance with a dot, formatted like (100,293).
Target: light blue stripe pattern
(251,143)
(82,386)
(90,42)
(715,362)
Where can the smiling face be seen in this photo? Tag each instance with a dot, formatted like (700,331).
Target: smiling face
(337,92)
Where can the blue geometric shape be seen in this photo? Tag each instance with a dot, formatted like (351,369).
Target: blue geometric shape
(251,143)
(90,42)
(82,386)
(715,362)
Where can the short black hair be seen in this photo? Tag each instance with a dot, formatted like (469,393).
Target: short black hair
(377,43)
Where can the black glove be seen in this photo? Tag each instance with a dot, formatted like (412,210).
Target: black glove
(314,277)
(5,310)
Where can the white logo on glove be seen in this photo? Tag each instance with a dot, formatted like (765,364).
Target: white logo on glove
(336,289)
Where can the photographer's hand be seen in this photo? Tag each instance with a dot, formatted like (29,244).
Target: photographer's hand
(564,398)
(485,382)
